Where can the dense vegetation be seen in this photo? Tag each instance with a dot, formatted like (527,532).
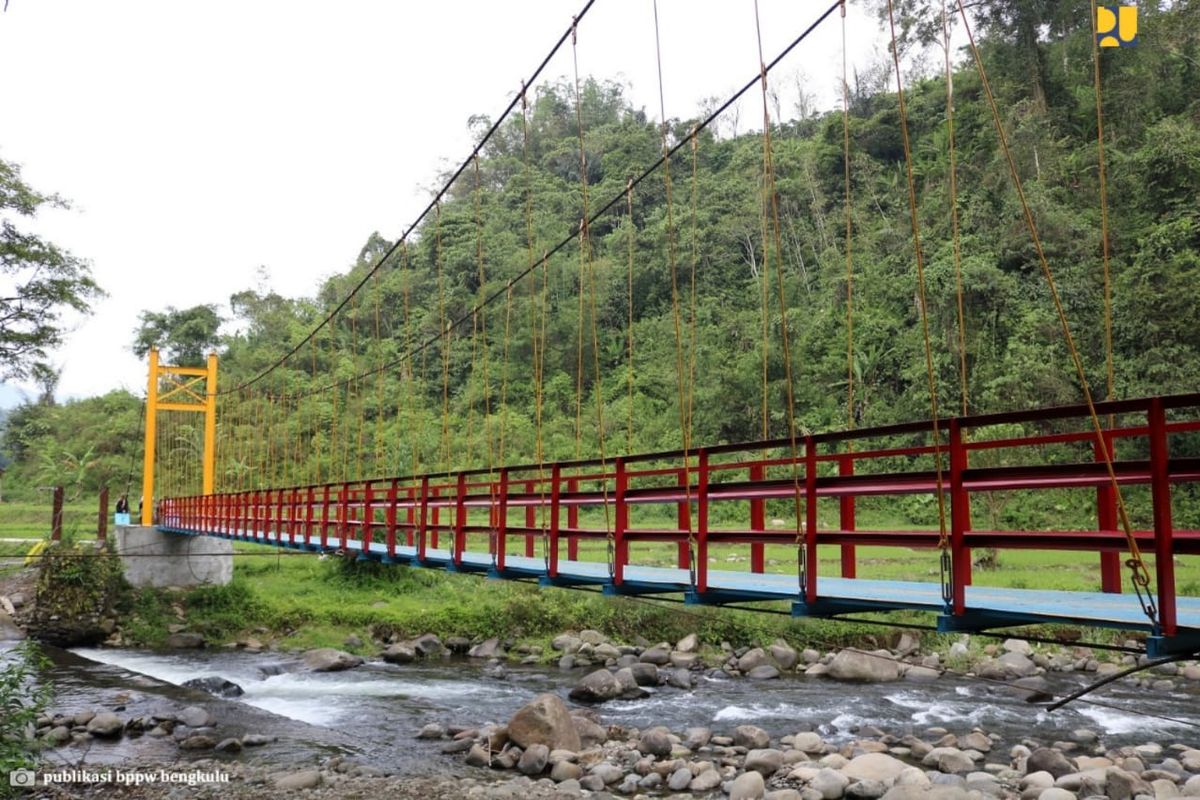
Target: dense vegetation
(484,390)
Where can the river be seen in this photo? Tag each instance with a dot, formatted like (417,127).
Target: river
(372,712)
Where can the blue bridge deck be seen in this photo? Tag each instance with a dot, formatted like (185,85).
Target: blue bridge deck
(987,607)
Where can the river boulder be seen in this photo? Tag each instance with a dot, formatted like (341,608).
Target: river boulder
(596,687)
(328,659)
(215,685)
(544,720)
(864,667)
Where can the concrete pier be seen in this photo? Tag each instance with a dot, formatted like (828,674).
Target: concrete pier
(153,558)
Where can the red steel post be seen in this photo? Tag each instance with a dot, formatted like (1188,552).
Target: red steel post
(325,516)
(390,517)
(368,530)
(1106,520)
(344,517)
(572,522)
(310,502)
(758,522)
(555,484)
(423,516)
(1160,491)
(702,521)
(847,520)
(620,546)
(530,519)
(684,520)
(960,555)
(810,518)
(460,518)
(502,521)
(435,516)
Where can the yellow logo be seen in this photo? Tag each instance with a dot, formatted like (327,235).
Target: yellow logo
(1116,26)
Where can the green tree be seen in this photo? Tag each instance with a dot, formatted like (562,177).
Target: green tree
(184,336)
(38,279)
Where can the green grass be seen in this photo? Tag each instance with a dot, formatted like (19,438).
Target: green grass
(32,520)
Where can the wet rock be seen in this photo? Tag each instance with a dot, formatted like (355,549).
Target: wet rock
(607,773)
(399,653)
(428,645)
(197,741)
(1192,787)
(589,732)
(695,738)
(921,674)
(304,779)
(765,761)
(1054,793)
(658,656)
(567,644)
(977,741)
(655,742)
(680,779)
(457,746)
(747,786)
(874,767)
(750,737)
(215,685)
(679,678)
(182,641)
(856,665)
(866,790)
(105,724)
(230,745)
(950,760)
(544,720)
(431,731)
(1124,785)
(58,734)
(644,673)
(489,648)
(1044,759)
(763,672)
(459,645)
(688,644)
(707,780)
(195,717)
(830,783)
(478,756)
(784,654)
(533,761)
(328,659)
(592,637)
(1034,689)
(565,771)
(596,687)
(755,657)
(256,740)
(808,742)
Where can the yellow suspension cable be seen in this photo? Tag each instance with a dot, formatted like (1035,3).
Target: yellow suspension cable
(380,462)
(1110,370)
(943,531)
(964,393)
(446,338)
(632,241)
(850,422)
(1139,574)
(771,207)
(587,274)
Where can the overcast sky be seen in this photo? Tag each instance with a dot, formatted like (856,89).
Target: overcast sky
(200,141)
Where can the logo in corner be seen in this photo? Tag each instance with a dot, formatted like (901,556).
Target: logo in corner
(1116,26)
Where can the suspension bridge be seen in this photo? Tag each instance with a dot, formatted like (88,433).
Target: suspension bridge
(662,522)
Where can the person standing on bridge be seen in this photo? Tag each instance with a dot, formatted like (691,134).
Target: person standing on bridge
(123,504)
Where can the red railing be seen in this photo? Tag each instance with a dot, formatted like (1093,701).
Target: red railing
(425,511)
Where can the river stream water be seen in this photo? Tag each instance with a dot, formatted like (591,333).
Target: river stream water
(372,712)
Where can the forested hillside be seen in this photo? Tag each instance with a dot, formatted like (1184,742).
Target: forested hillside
(485,400)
